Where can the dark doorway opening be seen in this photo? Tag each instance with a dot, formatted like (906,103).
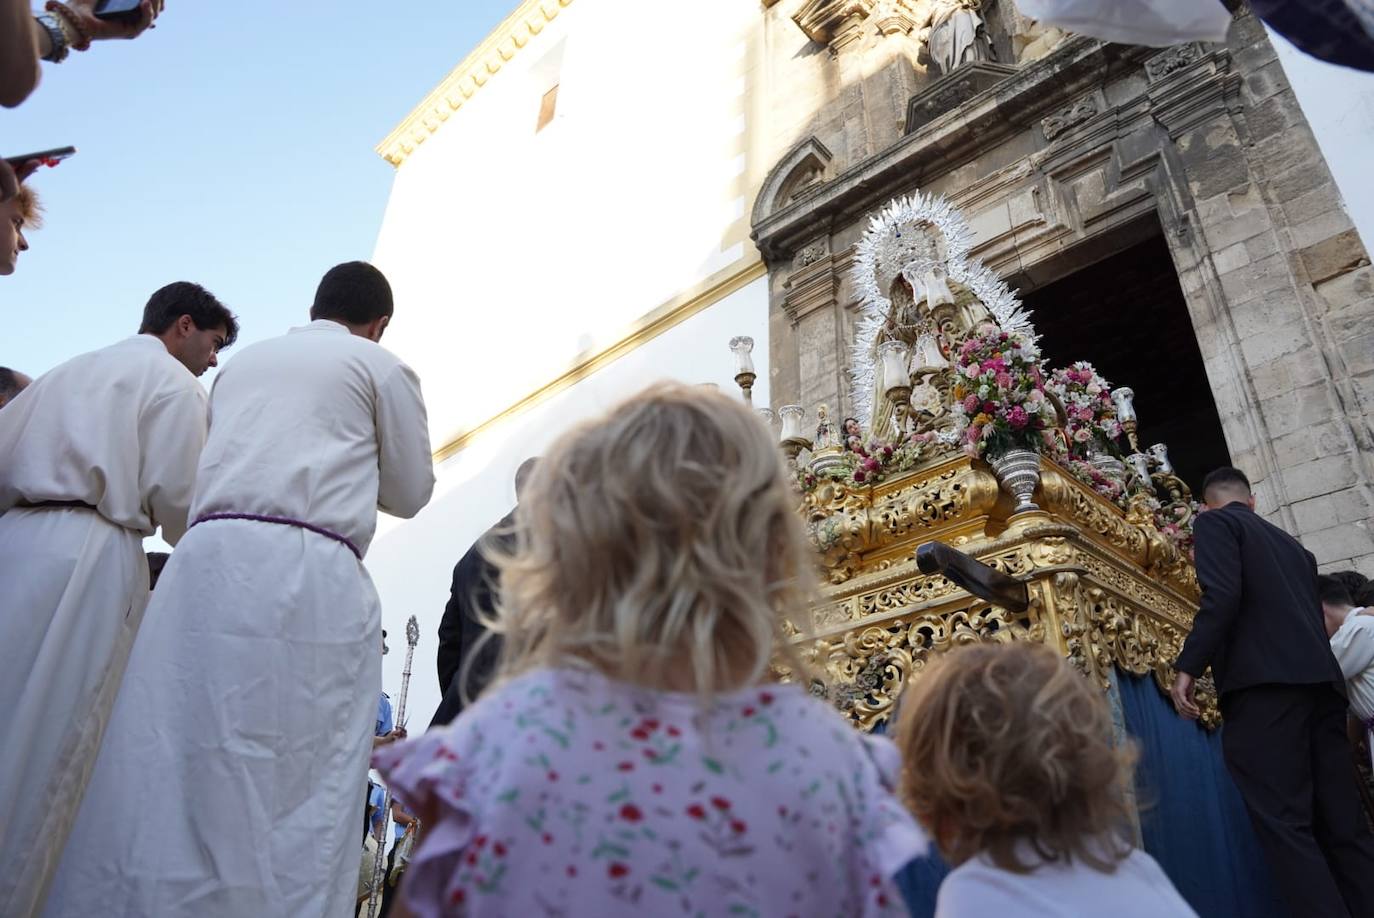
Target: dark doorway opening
(1127,316)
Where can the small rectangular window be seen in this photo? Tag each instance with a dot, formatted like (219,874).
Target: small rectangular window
(547,105)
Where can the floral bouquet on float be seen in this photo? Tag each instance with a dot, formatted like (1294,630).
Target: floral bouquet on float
(999,394)
(1092,426)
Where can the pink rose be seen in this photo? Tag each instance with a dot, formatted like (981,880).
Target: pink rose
(971,404)
(1004,380)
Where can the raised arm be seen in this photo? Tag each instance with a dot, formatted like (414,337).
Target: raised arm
(1217,547)
(172,435)
(404,458)
(19,51)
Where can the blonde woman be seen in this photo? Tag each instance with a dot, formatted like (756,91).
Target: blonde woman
(633,756)
(1009,764)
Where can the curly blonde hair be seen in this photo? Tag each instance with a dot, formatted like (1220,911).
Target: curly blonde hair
(29,208)
(1006,745)
(659,543)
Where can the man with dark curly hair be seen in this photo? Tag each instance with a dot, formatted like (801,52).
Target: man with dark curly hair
(96,455)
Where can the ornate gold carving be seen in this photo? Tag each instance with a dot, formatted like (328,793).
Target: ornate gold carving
(1107,588)
(864,672)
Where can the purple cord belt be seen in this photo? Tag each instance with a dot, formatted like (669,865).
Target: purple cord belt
(283,521)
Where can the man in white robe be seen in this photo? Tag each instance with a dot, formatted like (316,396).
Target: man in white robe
(94,456)
(229,783)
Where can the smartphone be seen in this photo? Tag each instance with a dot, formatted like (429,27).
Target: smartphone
(45,157)
(122,10)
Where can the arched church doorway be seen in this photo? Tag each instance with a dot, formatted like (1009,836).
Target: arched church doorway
(1126,314)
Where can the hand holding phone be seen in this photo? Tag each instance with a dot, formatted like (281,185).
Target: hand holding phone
(123,11)
(25,164)
(106,19)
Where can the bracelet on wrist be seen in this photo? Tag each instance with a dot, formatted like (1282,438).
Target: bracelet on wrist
(77,36)
(58,44)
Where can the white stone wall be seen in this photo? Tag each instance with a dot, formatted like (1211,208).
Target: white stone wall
(513,253)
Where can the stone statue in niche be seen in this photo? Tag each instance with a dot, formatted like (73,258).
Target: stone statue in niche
(953,33)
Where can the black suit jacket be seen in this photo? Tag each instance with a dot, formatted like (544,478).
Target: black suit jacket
(475,581)
(1260,620)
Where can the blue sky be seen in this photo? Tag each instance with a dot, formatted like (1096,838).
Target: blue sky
(231,146)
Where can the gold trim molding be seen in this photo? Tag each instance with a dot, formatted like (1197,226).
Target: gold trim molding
(464,81)
(666,317)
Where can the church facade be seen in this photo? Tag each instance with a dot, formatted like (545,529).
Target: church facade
(605,192)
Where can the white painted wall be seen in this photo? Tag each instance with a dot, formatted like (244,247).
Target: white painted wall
(512,252)
(1339,105)
(412,562)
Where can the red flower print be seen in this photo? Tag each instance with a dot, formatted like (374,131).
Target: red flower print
(720,803)
(875,881)
(650,754)
(499,849)
(480,841)
(738,826)
(553,776)
(658,788)
(458,896)
(674,731)
(572,870)
(696,811)
(766,698)
(640,733)
(651,723)
(882,901)
(472,857)
(626,766)
(782,811)
(598,745)
(631,813)
(748,712)
(617,870)
(548,839)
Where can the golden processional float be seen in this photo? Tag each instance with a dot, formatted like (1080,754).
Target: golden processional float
(1062,530)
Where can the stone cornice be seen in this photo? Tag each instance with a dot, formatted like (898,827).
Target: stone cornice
(463,82)
(958,136)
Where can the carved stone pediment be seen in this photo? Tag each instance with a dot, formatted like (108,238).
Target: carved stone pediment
(833,22)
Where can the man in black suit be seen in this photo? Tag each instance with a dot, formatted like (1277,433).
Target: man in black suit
(471,597)
(1260,628)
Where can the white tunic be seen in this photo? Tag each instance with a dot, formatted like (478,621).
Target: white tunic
(234,778)
(120,429)
(1138,888)
(1353,647)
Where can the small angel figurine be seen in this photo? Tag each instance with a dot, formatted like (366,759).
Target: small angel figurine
(823,438)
